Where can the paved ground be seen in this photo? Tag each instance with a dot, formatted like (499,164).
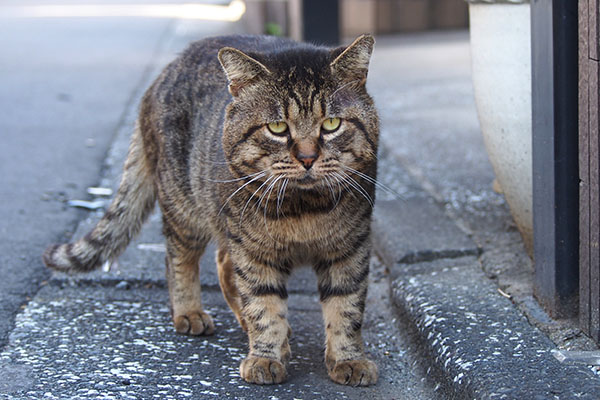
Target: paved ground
(435,150)
(69,91)
(460,276)
(108,334)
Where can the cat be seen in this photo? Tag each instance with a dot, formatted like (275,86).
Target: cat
(268,147)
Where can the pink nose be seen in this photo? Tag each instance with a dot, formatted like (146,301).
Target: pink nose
(307,159)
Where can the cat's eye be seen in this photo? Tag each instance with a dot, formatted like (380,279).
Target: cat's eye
(279,128)
(331,124)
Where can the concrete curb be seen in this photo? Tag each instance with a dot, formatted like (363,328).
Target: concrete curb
(476,341)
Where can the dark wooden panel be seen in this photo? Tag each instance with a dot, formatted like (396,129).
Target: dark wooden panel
(584,174)
(594,201)
(593,29)
(555,155)
(320,22)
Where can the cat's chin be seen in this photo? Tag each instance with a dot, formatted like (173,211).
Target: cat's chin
(306,182)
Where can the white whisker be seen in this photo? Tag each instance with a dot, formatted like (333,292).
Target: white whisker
(343,184)
(281,195)
(252,196)
(333,195)
(266,193)
(352,182)
(380,185)
(269,190)
(240,188)
(236,179)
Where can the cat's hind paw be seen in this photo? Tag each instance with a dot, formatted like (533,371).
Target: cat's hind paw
(195,323)
(262,371)
(354,372)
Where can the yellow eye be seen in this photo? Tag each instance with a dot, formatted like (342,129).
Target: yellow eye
(331,124)
(278,128)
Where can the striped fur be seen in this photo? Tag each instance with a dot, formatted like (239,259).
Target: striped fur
(203,149)
(132,205)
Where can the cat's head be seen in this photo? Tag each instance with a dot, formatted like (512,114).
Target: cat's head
(300,113)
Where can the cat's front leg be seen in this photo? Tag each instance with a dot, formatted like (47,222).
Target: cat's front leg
(343,290)
(263,294)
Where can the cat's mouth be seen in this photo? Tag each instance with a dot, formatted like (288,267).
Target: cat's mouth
(306,181)
(307,178)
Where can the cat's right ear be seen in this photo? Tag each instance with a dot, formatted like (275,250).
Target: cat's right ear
(241,69)
(351,64)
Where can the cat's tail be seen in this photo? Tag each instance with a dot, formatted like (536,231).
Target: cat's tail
(122,221)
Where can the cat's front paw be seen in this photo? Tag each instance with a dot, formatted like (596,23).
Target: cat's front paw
(262,371)
(194,323)
(354,372)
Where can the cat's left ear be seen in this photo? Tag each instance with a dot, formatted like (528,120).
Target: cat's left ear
(241,69)
(352,64)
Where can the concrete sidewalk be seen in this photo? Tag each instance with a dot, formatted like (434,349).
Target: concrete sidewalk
(435,322)
(460,279)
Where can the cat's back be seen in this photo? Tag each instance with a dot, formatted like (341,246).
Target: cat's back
(205,51)
(188,98)
(192,89)
(198,66)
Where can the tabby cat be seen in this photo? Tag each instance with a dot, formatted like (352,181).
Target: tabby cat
(268,147)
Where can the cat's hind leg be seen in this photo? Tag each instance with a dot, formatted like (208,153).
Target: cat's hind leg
(183,277)
(231,294)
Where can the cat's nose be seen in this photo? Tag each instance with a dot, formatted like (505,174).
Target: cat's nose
(307,159)
(307,152)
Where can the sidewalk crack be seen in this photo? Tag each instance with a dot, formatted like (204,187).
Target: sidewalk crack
(431,255)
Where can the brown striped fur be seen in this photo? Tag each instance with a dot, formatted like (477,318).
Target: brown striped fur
(271,202)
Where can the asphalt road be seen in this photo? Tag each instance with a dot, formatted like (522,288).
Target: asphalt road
(65,84)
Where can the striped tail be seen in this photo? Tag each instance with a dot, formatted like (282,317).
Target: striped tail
(122,221)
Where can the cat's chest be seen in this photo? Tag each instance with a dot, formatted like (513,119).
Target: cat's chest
(313,225)
(309,230)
